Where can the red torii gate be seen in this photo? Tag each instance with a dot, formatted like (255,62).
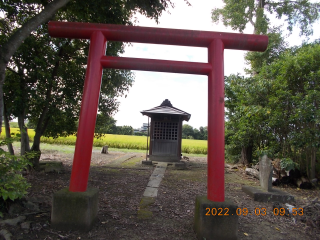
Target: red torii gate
(98,34)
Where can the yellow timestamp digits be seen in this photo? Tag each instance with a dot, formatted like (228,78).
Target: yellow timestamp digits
(217,211)
(239,211)
(282,211)
(257,211)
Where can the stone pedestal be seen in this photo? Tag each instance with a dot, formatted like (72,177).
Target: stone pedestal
(215,220)
(164,158)
(180,165)
(275,195)
(146,162)
(74,210)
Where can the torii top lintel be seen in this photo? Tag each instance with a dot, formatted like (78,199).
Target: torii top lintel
(113,32)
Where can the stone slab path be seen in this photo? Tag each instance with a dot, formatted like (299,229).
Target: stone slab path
(155,180)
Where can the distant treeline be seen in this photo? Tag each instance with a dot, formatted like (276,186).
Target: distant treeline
(188,132)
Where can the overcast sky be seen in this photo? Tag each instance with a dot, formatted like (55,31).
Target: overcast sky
(185,91)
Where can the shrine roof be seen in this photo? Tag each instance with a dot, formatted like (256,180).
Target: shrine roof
(166,108)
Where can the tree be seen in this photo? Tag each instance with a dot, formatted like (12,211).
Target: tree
(49,73)
(277,45)
(277,110)
(22,17)
(104,124)
(140,133)
(187,131)
(294,103)
(238,13)
(124,130)
(203,133)
(196,133)
(14,35)
(243,115)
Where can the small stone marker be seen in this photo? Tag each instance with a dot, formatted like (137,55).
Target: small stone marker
(266,193)
(265,170)
(104,149)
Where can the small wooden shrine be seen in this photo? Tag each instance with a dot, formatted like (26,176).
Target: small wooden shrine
(166,132)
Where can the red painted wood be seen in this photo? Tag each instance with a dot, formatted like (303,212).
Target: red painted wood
(180,37)
(88,115)
(215,188)
(156,65)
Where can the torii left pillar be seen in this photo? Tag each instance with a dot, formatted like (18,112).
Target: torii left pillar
(209,225)
(77,209)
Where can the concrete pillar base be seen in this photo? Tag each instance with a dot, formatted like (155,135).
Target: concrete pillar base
(74,210)
(215,220)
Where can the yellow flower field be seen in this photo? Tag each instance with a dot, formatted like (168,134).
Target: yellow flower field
(119,141)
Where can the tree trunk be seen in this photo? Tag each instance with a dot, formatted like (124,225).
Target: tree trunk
(41,127)
(15,40)
(3,66)
(313,163)
(307,162)
(7,127)
(25,145)
(36,148)
(261,5)
(244,159)
(246,154)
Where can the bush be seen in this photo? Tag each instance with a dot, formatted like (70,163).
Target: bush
(288,164)
(232,153)
(12,184)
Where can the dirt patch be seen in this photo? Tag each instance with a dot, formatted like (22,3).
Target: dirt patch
(122,179)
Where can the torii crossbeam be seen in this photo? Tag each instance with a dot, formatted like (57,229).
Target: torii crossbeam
(99,34)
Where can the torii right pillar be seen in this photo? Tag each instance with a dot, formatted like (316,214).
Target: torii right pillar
(215,216)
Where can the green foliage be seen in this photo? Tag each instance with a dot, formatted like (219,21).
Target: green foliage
(45,76)
(12,184)
(287,164)
(251,123)
(235,14)
(243,116)
(238,13)
(140,133)
(104,124)
(277,109)
(260,152)
(124,130)
(232,153)
(30,125)
(277,45)
(188,132)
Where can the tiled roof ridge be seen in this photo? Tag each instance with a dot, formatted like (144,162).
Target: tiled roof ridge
(167,108)
(166,102)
